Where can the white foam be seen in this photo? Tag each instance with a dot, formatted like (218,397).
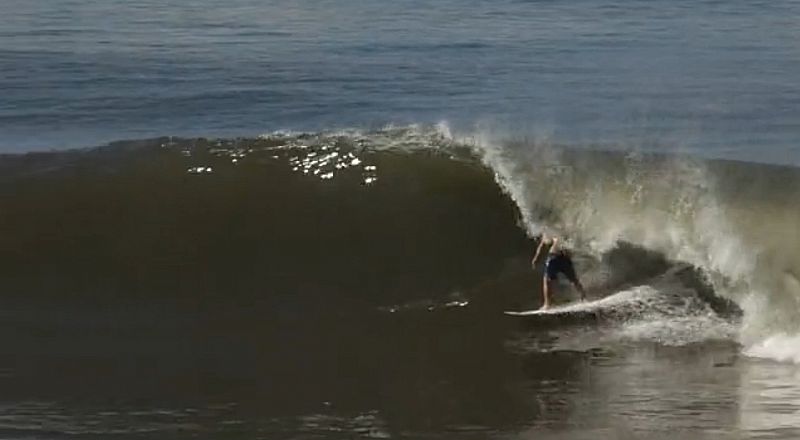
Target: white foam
(679,331)
(667,317)
(632,301)
(780,347)
(672,206)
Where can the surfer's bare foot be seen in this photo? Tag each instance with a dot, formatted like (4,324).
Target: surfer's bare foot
(544,307)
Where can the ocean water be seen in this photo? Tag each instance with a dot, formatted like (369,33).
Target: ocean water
(303,220)
(718,78)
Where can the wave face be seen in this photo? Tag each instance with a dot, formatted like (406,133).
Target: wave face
(738,222)
(405,219)
(299,220)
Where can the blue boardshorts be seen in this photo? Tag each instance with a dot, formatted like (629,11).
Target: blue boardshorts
(559,263)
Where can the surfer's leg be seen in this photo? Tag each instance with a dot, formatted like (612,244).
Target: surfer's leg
(550,274)
(579,287)
(546,285)
(569,271)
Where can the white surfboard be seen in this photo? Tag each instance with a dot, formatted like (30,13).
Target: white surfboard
(535,312)
(577,308)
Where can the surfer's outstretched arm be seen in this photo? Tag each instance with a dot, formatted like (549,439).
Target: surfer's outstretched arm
(538,250)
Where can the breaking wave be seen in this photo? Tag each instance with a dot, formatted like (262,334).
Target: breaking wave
(738,222)
(411,218)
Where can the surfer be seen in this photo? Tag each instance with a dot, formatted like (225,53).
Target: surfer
(558,261)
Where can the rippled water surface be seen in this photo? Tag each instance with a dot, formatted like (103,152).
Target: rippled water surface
(406,380)
(718,78)
(345,276)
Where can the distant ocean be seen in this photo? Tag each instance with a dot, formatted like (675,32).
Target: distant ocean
(304,220)
(719,78)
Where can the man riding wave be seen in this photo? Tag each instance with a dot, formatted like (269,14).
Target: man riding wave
(559,260)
